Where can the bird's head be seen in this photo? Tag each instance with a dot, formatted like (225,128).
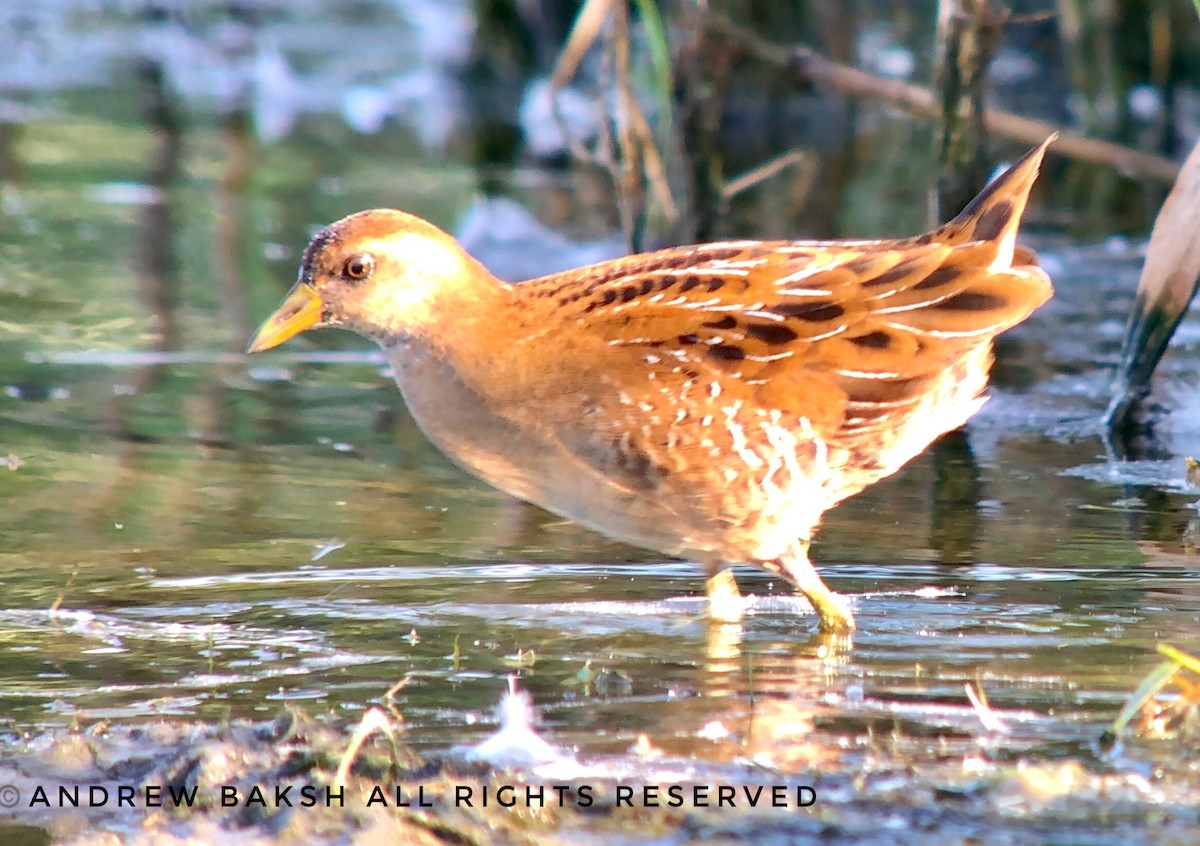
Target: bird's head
(381,273)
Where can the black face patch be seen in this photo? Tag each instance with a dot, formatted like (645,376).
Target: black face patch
(319,242)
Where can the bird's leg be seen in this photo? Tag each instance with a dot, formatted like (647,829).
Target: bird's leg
(725,602)
(833,611)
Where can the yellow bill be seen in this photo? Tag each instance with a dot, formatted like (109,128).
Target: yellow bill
(300,310)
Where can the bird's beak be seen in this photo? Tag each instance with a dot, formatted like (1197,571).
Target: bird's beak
(300,310)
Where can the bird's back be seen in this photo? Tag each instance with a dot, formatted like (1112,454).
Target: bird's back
(736,390)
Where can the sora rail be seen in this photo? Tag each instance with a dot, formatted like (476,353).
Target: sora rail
(709,401)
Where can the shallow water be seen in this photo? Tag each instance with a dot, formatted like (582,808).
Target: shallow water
(192,534)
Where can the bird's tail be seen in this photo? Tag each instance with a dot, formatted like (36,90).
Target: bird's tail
(995,213)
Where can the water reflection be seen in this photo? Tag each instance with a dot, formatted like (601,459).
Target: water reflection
(156,264)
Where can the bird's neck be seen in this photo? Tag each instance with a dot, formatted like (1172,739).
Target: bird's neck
(463,321)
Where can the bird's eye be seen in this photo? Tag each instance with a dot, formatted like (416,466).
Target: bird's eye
(358,267)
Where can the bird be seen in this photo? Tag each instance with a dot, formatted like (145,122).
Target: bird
(710,402)
(1170,280)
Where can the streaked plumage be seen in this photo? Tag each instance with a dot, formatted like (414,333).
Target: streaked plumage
(709,401)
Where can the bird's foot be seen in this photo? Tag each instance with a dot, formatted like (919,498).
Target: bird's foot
(725,602)
(834,616)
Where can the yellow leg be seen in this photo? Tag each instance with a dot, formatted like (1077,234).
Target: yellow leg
(725,602)
(833,611)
